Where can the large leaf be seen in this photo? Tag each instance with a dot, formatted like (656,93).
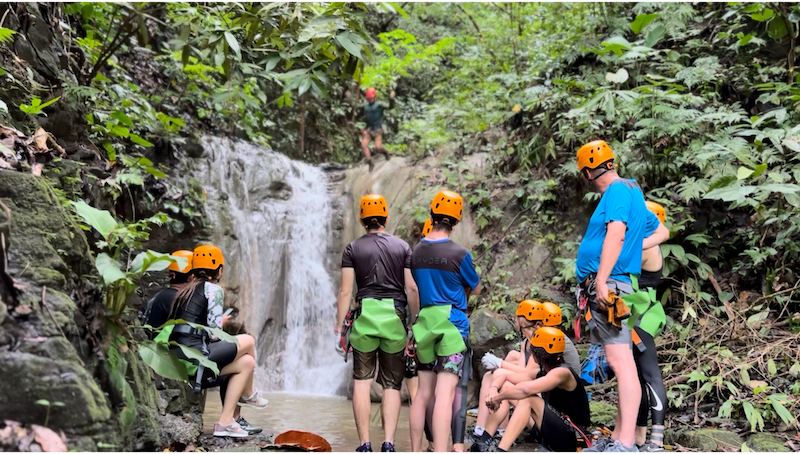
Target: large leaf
(655,35)
(101,220)
(108,268)
(641,22)
(618,77)
(616,44)
(233,45)
(349,45)
(162,361)
(153,261)
(193,353)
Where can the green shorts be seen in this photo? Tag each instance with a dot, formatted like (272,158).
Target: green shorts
(647,312)
(378,326)
(435,335)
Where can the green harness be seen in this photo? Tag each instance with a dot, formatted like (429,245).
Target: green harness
(436,335)
(646,310)
(378,326)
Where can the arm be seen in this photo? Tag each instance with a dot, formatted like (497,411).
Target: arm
(659,236)
(528,388)
(476,291)
(215,297)
(345,295)
(612,246)
(412,294)
(516,368)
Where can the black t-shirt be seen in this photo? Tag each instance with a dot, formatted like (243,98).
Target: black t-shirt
(379,261)
(159,312)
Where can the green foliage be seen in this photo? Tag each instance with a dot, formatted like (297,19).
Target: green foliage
(47,404)
(37,106)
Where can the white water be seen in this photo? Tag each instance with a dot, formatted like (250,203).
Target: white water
(272,218)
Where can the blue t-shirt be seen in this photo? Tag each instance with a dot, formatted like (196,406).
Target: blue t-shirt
(623,201)
(442,270)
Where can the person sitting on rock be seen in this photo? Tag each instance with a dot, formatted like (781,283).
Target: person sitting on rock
(446,277)
(156,312)
(554,405)
(531,315)
(201,303)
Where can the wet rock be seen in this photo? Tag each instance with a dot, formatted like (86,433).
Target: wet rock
(183,429)
(28,378)
(765,442)
(488,331)
(708,440)
(602,413)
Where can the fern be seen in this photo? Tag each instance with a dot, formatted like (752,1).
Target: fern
(6,35)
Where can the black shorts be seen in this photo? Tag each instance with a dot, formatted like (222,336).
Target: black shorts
(220,352)
(556,433)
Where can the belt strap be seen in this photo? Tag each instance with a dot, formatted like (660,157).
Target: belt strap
(188,329)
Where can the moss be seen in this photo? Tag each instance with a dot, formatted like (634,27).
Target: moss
(45,276)
(764,442)
(708,440)
(603,413)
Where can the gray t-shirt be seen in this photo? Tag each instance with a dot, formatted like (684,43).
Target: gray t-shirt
(571,356)
(379,261)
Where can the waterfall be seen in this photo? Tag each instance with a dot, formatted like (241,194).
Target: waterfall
(272,218)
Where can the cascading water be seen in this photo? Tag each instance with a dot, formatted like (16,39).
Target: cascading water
(272,218)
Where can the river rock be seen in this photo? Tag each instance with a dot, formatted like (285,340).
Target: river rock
(765,442)
(707,440)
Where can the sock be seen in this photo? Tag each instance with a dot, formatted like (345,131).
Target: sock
(501,432)
(479,430)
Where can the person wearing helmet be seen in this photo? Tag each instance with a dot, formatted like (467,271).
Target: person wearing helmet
(647,320)
(201,303)
(536,316)
(373,117)
(555,401)
(380,266)
(156,312)
(446,277)
(610,252)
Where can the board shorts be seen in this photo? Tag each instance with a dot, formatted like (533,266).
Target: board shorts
(440,346)
(378,339)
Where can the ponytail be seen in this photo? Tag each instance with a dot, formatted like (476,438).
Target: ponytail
(197,277)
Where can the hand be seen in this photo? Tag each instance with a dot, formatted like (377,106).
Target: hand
(225,319)
(491,362)
(602,295)
(391,95)
(339,348)
(491,400)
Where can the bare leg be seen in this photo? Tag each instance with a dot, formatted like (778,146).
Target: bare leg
(425,392)
(361,409)
(240,371)
(391,413)
(247,345)
(379,145)
(365,144)
(443,411)
(412,384)
(532,406)
(620,358)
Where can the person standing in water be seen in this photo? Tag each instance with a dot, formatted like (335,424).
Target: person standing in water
(373,117)
(380,265)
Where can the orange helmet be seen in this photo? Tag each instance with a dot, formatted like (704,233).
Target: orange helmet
(173,266)
(550,339)
(550,314)
(373,205)
(527,308)
(207,257)
(426,229)
(658,210)
(594,154)
(448,203)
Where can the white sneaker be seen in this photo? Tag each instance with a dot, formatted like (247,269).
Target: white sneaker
(231,430)
(254,401)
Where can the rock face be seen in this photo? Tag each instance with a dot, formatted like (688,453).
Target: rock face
(765,442)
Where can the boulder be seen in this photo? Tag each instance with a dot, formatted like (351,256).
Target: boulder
(765,442)
(489,331)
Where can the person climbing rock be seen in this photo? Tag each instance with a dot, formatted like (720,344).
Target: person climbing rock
(373,117)
(611,251)
(380,266)
(446,277)
(554,405)
(156,312)
(531,315)
(647,320)
(201,303)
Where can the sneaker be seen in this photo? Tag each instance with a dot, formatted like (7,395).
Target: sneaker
(617,446)
(366,447)
(387,447)
(483,443)
(254,401)
(251,429)
(650,447)
(599,445)
(231,430)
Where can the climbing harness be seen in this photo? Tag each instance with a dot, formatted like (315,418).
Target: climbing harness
(347,326)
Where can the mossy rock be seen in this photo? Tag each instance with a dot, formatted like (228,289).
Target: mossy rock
(764,442)
(709,440)
(45,245)
(56,348)
(603,413)
(28,378)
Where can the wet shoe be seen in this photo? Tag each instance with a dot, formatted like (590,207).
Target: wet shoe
(617,446)
(366,447)
(254,401)
(650,447)
(599,445)
(231,430)
(251,429)
(371,165)
(387,447)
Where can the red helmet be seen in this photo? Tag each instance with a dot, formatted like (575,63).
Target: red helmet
(370,92)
